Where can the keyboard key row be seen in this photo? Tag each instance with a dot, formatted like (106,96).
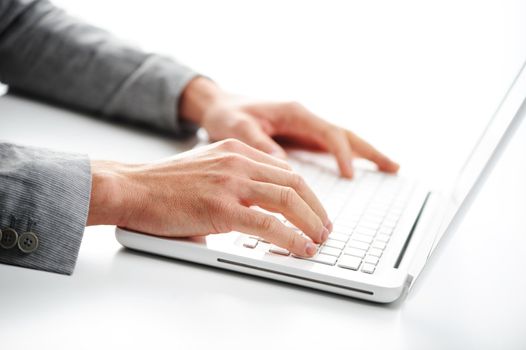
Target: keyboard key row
(353,263)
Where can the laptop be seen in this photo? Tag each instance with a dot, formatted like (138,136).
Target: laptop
(385,226)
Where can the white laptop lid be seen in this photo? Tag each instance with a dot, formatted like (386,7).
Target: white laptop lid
(476,168)
(487,150)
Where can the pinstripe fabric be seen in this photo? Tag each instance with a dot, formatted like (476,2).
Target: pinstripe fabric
(52,189)
(49,54)
(46,53)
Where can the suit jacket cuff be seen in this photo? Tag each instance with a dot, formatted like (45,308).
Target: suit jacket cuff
(51,190)
(151,94)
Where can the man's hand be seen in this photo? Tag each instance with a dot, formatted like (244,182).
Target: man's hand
(258,124)
(210,190)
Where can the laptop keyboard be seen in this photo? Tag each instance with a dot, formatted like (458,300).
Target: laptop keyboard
(364,212)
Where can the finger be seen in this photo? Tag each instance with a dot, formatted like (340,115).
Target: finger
(301,121)
(334,141)
(337,144)
(285,200)
(265,173)
(268,227)
(367,151)
(254,136)
(236,146)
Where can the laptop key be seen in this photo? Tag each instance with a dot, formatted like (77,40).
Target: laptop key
(375,252)
(350,262)
(392,217)
(383,237)
(373,260)
(389,224)
(359,245)
(334,243)
(362,238)
(379,245)
(322,259)
(367,225)
(338,237)
(354,252)
(368,268)
(345,226)
(250,243)
(365,231)
(278,250)
(262,240)
(330,251)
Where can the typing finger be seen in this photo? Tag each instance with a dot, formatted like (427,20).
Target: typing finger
(265,173)
(285,200)
(367,151)
(268,227)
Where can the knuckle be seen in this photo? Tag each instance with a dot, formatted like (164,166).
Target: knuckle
(294,107)
(291,241)
(230,144)
(231,160)
(267,223)
(288,196)
(245,191)
(297,181)
(242,124)
(260,144)
(219,178)
(330,132)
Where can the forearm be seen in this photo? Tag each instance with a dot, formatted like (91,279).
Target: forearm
(47,53)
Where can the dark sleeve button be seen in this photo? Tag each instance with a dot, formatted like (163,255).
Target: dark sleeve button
(28,242)
(9,238)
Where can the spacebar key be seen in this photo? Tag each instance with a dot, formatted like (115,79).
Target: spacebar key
(322,259)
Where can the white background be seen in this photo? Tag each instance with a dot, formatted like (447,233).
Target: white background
(382,68)
(417,79)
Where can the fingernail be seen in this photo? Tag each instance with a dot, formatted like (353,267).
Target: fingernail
(310,249)
(328,226)
(324,234)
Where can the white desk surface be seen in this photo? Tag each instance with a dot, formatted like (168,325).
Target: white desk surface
(471,295)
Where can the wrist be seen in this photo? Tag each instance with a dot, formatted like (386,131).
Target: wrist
(198,96)
(106,198)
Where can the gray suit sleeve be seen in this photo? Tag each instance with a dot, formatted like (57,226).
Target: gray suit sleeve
(46,53)
(47,193)
(49,54)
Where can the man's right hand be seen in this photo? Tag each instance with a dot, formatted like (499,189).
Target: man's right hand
(210,190)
